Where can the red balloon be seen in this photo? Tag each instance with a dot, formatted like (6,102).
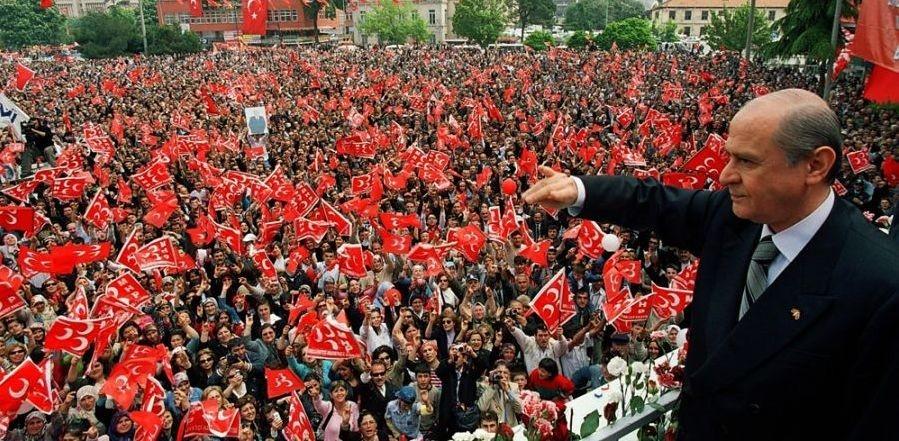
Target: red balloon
(509,186)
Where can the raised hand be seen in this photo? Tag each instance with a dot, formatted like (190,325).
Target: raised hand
(556,190)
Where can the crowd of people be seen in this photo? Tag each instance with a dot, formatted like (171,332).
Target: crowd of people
(455,349)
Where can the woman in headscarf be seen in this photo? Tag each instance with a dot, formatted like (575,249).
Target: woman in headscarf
(10,250)
(121,428)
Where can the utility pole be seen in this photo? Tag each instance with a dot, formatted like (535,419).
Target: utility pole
(834,33)
(749,30)
(607,16)
(143,25)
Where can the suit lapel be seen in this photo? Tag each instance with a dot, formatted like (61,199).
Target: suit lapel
(791,304)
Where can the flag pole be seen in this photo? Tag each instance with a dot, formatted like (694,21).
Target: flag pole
(834,32)
(749,30)
(143,25)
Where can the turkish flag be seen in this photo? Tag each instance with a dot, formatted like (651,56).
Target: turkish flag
(23,76)
(331,340)
(536,252)
(161,212)
(554,303)
(122,383)
(470,241)
(204,232)
(67,189)
(668,302)
(362,184)
(16,385)
(152,176)
(98,212)
(31,262)
(255,14)
(351,260)
(228,236)
(890,168)
(72,335)
(340,223)
(298,425)
(41,394)
(128,290)
(688,181)
(222,422)
(483,177)
(13,218)
(149,424)
(392,221)
(88,253)
(283,190)
(106,306)
(858,161)
(124,193)
(159,253)
(307,229)
(264,264)
(589,239)
(282,382)
(394,244)
(509,222)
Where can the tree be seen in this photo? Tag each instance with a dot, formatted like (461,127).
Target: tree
(315,7)
(170,40)
(395,23)
(150,17)
(630,33)
(539,40)
(805,29)
(107,34)
(728,29)
(481,21)
(667,33)
(590,15)
(580,40)
(528,12)
(23,23)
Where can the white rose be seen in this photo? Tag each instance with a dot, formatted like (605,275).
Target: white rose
(482,434)
(639,368)
(463,436)
(616,366)
(614,396)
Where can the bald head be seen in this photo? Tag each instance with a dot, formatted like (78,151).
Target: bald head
(803,123)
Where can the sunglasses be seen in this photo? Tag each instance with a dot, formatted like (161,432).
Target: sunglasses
(205,360)
(377,374)
(16,351)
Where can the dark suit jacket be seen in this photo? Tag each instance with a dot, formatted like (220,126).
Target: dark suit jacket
(371,400)
(894,227)
(817,357)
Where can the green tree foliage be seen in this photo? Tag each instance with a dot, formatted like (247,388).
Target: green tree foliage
(528,12)
(580,40)
(630,33)
(481,21)
(395,23)
(590,15)
(107,34)
(170,40)
(805,29)
(150,17)
(728,29)
(24,23)
(539,40)
(666,33)
(315,7)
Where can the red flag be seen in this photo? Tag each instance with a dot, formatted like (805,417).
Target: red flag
(264,264)
(128,254)
(876,35)
(16,385)
(509,222)
(98,212)
(392,221)
(298,426)
(483,177)
(890,169)
(161,212)
(881,86)
(470,241)
(394,244)
(689,181)
(84,254)
(128,290)
(282,382)
(31,262)
(22,190)
(23,76)
(668,302)
(78,304)
(46,4)
(228,236)
(149,424)
(66,189)
(10,302)
(686,278)
(536,252)
(340,223)
(14,218)
(283,190)
(307,229)
(858,160)
(589,239)
(122,383)
(331,340)
(255,14)
(222,422)
(41,395)
(72,335)
(708,161)
(350,258)
(554,303)
(630,270)
(159,253)
(154,175)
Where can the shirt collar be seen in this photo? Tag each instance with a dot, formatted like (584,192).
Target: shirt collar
(792,240)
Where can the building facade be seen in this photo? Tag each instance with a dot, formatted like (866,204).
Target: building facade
(693,16)
(287,21)
(437,14)
(77,8)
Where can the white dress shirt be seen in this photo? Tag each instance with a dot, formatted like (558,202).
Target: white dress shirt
(792,240)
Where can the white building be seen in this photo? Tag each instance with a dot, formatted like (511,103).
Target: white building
(692,16)
(77,8)
(437,14)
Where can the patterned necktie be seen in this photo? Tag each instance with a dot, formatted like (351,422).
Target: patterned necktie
(757,277)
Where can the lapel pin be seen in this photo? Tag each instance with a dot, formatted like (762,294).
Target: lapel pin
(795,313)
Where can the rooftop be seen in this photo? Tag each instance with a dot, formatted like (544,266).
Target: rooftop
(721,3)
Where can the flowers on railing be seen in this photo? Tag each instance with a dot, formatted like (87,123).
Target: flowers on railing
(503,433)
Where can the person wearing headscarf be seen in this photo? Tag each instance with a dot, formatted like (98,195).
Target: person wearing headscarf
(121,428)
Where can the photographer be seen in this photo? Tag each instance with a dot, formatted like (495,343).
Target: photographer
(500,395)
(459,376)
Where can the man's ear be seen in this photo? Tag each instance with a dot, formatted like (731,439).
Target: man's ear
(820,162)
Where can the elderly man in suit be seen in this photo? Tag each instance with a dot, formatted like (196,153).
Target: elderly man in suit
(795,314)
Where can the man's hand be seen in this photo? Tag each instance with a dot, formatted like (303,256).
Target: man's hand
(556,190)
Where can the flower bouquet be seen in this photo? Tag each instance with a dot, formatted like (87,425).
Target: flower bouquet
(503,433)
(543,420)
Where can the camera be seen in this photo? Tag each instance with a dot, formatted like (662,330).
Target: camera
(496,378)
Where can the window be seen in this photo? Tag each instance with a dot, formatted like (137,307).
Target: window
(705,15)
(672,15)
(657,15)
(771,15)
(686,31)
(702,30)
(688,14)
(432,16)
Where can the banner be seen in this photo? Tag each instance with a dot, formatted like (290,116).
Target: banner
(257,123)
(11,115)
(877,33)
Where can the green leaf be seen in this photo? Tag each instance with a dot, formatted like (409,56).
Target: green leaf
(639,386)
(637,404)
(590,424)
